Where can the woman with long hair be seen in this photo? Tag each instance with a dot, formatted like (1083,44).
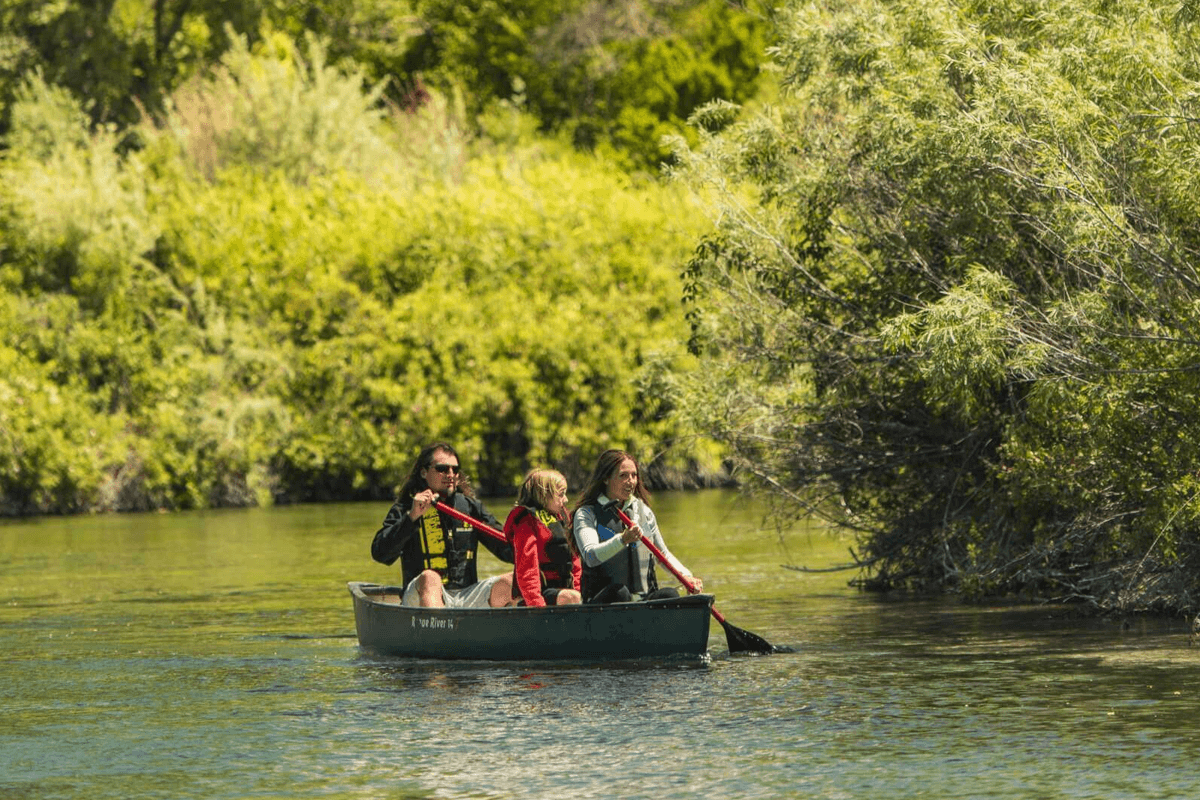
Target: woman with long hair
(615,568)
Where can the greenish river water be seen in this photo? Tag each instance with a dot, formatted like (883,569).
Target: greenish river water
(212,655)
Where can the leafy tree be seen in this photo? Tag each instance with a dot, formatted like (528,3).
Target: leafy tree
(112,54)
(122,57)
(612,76)
(950,301)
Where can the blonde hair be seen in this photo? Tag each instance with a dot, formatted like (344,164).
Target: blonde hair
(540,486)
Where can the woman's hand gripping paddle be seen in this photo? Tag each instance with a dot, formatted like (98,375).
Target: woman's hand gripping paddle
(740,641)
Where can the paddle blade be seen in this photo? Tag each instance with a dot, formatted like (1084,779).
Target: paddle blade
(743,641)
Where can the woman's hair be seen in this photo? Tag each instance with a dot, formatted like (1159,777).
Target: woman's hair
(606,466)
(539,488)
(414,483)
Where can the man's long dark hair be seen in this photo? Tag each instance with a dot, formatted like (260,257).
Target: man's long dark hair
(607,466)
(415,483)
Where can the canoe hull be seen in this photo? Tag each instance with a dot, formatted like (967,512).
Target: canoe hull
(659,628)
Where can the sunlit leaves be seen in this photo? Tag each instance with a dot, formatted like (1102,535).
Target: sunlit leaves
(275,328)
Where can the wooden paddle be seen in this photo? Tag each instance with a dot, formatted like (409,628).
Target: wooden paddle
(740,641)
(482,527)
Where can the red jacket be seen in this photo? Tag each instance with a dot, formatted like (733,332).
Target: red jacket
(534,569)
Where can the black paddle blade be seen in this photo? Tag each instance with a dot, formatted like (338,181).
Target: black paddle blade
(741,641)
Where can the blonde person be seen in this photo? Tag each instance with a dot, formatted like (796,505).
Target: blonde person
(615,568)
(546,570)
(436,552)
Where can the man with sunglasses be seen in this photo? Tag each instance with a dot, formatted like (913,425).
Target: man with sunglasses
(436,551)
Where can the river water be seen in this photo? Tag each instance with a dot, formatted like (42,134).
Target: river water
(212,655)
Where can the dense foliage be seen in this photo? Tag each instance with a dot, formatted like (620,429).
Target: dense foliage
(952,300)
(120,57)
(285,292)
(613,77)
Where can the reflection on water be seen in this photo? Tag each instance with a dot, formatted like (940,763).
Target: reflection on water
(212,656)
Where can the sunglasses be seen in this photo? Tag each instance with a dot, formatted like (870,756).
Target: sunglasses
(444,468)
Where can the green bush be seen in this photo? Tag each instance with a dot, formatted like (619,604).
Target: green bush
(59,443)
(294,322)
(952,296)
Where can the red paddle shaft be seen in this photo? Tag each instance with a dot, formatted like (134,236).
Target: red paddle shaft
(739,640)
(654,551)
(482,527)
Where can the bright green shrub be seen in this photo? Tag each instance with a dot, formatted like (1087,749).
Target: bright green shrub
(58,441)
(279,111)
(224,322)
(513,336)
(74,212)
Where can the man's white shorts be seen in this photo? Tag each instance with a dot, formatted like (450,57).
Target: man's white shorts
(477,595)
